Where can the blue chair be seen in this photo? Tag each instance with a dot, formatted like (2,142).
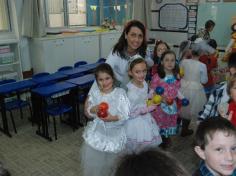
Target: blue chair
(55,107)
(65,68)
(80,63)
(38,75)
(15,103)
(101,60)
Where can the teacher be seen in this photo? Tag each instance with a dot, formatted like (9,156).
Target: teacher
(132,43)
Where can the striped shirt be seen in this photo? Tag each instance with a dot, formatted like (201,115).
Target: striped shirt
(204,171)
(219,95)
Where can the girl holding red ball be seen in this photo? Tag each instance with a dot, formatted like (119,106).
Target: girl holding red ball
(105,136)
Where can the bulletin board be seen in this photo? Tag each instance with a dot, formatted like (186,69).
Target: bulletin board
(221,14)
(173,17)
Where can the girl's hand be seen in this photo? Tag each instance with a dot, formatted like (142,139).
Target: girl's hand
(110,118)
(94,109)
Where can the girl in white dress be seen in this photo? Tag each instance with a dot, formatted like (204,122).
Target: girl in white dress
(105,136)
(195,74)
(141,129)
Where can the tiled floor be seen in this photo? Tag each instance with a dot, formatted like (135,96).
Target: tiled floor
(26,154)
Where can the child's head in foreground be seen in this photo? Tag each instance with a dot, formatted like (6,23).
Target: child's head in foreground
(215,143)
(150,163)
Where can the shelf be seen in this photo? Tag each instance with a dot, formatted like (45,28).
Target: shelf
(8,75)
(9,64)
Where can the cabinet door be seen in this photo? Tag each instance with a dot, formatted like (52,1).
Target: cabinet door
(10,64)
(107,43)
(87,48)
(58,53)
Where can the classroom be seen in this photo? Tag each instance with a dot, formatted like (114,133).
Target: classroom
(68,104)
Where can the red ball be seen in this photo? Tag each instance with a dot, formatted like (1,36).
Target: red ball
(102,114)
(103,106)
(169,101)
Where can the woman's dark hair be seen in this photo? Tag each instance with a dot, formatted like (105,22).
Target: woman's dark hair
(121,46)
(233,28)
(104,68)
(150,163)
(209,24)
(161,71)
(159,42)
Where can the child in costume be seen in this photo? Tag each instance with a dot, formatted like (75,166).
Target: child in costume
(166,113)
(195,74)
(104,137)
(141,129)
(159,49)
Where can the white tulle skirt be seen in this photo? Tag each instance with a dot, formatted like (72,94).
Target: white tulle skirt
(142,133)
(97,163)
(197,99)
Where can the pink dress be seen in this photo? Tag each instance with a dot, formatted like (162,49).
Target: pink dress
(166,115)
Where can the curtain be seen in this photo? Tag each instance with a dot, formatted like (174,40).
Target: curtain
(33,19)
(142,11)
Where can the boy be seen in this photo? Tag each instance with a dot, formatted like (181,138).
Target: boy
(219,95)
(215,144)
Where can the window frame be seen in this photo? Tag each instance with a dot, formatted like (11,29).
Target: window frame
(12,34)
(128,12)
(8,16)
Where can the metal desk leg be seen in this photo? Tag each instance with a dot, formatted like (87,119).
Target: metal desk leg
(5,128)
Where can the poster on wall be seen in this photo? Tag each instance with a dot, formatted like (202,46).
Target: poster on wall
(173,17)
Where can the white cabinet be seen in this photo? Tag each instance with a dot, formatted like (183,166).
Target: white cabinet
(87,48)
(107,42)
(10,64)
(49,55)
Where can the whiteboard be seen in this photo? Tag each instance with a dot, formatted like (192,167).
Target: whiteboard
(221,14)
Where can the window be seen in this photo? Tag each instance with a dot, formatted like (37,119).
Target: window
(68,13)
(4,16)
(62,13)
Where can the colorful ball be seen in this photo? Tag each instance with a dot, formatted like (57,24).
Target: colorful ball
(169,101)
(103,106)
(102,114)
(157,99)
(159,90)
(185,102)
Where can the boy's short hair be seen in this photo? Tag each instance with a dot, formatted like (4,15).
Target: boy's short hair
(208,128)
(209,24)
(232,60)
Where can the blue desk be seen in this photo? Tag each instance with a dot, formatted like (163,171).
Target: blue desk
(7,89)
(82,83)
(39,96)
(52,77)
(83,80)
(75,71)
(92,66)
